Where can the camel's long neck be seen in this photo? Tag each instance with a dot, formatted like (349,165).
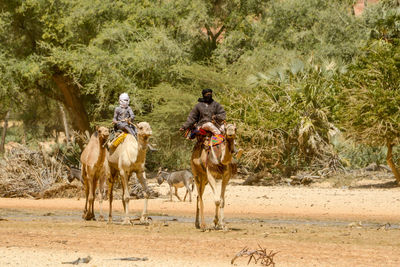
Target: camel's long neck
(142,142)
(102,151)
(227,154)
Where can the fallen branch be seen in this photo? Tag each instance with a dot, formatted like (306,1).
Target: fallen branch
(266,259)
(131,259)
(79,260)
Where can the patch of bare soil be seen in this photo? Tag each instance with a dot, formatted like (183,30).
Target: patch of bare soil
(309,226)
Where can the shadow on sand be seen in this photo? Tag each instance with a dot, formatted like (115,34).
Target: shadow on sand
(384,185)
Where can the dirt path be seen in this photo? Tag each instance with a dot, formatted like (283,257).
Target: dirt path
(309,226)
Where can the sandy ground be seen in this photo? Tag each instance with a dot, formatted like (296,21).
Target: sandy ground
(309,226)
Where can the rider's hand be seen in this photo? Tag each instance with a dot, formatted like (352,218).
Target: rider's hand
(181,129)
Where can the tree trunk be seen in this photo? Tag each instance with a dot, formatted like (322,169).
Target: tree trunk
(212,38)
(3,137)
(64,118)
(73,102)
(389,158)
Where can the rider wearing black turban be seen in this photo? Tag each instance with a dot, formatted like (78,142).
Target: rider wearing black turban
(206,110)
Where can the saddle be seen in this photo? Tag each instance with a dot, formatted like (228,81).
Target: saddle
(206,137)
(216,140)
(117,139)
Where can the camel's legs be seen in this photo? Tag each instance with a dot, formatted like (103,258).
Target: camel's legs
(101,189)
(94,195)
(125,195)
(143,181)
(196,223)
(176,194)
(110,197)
(216,189)
(83,174)
(225,181)
(90,214)
(200,185)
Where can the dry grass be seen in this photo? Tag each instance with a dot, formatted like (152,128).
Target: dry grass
(26,173)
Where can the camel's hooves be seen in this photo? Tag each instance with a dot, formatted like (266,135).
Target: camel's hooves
(145,220)
(109,222)
(101,218)
(88,217)
(221,228)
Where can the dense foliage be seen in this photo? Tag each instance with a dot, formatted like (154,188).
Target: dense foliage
(282,69)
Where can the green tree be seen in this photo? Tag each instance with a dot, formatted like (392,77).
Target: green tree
(371,93)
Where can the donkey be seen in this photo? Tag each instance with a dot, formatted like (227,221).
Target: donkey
(177,180)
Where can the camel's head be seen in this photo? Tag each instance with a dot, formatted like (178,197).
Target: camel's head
(102,133)
(230,131)
(144,130)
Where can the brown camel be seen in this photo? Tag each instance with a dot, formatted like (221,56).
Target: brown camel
(92,160)
(104,174)
(127,158)
(214,166)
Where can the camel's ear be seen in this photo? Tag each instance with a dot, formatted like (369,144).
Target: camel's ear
(97,127)
(159,169)
(166,169)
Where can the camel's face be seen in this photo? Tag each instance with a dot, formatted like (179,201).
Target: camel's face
(144,130)
(230,131)
(103,133)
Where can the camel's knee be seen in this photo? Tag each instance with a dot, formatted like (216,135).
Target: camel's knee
(126,199)
(90,198)
(217,202)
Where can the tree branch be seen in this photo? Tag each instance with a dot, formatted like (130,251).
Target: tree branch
(219,32)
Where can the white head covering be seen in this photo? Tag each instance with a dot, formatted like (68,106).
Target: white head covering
(124,100)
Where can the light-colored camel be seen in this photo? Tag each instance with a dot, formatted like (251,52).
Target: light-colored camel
(214,166)
(129,157)
(92,160)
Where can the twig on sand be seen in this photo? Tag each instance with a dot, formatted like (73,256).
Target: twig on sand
(266,259)
(131,259)
(79,260)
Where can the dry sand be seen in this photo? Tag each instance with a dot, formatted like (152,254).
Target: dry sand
(309,226)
